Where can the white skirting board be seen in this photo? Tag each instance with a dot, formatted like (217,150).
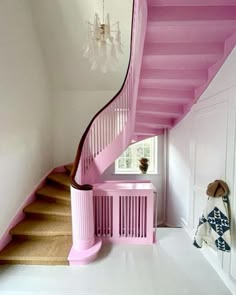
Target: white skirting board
(213,260)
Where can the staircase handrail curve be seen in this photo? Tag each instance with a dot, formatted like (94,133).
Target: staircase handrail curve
(112,104)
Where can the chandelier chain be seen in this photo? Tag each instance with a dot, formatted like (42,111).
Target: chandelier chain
(103,11)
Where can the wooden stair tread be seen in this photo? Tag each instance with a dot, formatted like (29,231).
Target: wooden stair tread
(68,168)
(60,178)
(48,208)
(42,228)
(54,192)
(53,251)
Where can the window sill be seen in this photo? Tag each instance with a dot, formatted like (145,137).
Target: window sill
(134,173)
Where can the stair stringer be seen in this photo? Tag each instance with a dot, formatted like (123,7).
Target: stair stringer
(106,158)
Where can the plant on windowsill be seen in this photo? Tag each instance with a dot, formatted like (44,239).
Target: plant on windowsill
(143,165)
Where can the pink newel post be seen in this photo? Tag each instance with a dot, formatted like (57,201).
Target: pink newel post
(85,247)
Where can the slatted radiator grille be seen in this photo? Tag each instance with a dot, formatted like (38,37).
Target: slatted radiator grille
(133,216)
(103,216)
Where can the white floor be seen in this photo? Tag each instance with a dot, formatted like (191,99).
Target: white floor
(171,267)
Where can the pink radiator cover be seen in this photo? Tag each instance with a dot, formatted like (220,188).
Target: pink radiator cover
(123,212)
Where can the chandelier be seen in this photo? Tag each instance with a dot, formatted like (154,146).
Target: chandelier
(103,44)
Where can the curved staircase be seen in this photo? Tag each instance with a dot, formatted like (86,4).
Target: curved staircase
(44,236)
(177,47)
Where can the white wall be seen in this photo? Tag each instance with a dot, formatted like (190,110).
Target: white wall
(72,112)
(178,172)
(25,144)
(79,93)
(202,148)
(156,179)
(62,28)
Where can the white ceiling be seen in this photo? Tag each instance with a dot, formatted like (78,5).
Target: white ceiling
(62,29)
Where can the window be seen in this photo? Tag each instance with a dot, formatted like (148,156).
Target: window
(128,162)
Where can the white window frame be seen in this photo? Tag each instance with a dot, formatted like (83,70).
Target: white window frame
(136,170)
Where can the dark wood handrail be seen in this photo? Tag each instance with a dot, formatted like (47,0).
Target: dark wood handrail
(87,187)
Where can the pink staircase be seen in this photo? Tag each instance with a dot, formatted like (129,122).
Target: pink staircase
(186,43)
(177,47)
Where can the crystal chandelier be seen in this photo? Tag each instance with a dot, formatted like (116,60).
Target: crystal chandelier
(103,44)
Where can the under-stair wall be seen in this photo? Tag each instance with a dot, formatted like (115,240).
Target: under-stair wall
(201,149)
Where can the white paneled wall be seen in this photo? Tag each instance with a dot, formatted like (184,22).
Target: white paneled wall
(232,176)
(202,148)
(209,141)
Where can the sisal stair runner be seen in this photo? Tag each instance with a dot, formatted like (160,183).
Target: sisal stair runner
(44,236)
